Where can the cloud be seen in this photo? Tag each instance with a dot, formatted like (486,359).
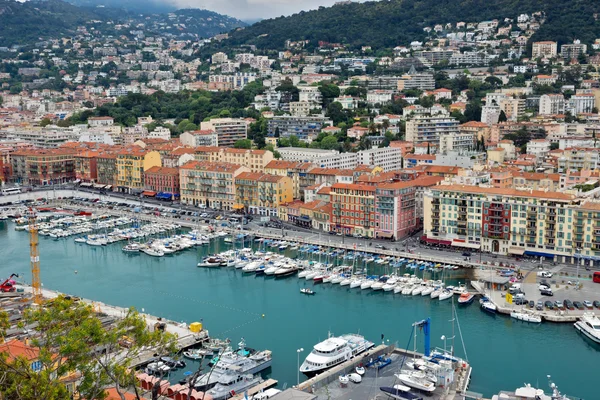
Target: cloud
(254,9)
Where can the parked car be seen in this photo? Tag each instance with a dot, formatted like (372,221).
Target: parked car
(545,274)
(549,305)
(543,287)
(596,303)
(578,305)
(531,304)
(546,292)
(569,304)
(539,306)
(520,301)
(559,304)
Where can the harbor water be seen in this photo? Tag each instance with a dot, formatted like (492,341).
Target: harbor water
(271,313)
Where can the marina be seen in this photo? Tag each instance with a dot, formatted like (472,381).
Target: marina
(173,287)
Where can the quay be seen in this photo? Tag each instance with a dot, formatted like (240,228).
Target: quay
(327,385)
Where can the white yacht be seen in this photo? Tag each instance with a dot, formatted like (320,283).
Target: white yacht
(333,351)
(589,325)
(526,316)
(416,379)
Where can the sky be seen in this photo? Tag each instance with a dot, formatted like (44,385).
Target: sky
(254,9)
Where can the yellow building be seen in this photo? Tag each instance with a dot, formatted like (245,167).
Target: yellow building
(496,155)
(209,183)
(256,160)
(131,164)
(296,170)
(262,194)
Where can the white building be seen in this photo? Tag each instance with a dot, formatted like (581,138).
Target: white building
(388,158)
(539,148)
(199,138)
(347,102)
(552,104)
(300,108)
(98,122)
(490,113)
(229,130)
(581,103)
(160,133)
(456,142)
(319,157)
(379,96)
(311,94)
(218,58)
(429,129)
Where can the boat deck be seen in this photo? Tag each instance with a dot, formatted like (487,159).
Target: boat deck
(252,391)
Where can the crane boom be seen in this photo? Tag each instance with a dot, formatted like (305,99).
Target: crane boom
(34,255)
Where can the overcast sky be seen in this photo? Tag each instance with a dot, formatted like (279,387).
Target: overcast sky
(253,9)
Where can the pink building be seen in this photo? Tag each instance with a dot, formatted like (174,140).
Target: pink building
(395,210)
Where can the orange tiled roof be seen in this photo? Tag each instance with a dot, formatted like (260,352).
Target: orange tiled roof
(506,192)
(16,348)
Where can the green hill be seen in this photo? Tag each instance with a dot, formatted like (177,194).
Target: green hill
(389,23)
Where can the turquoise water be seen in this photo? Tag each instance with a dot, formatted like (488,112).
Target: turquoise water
(504,353)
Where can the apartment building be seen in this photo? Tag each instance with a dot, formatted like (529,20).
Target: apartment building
(86,168)
(209,183)
(131,164)
(552,104)
(295,170)
(545,49)
(478,129)
(395,208)
(508,221)
(423,129)
(106,169)
(578,158)
(319,157)
(310,94)
(162,180)
(303,128)
(573,50)
(229,130)
(581,103)
(388,158)
(255,160)
(353,209)
(539,148)
(43,166)
(456,142)
(199,138)
(262,194)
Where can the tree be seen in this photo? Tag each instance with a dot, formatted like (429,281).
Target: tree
(329,91)
(329,143)
(45,122)
(71,337)
(427,101)
(243,144)
(502,117)
(1,100)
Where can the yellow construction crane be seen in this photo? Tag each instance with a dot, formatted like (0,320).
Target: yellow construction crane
(34,255)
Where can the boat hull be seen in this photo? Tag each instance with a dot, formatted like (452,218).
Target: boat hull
(586,333)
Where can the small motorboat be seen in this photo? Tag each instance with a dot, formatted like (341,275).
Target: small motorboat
(466,298)
(197,354)
(360,370)
(487,306)
(344,379)
(400,392)
(526,316)
(307,291)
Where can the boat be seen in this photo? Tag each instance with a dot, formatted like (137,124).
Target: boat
(333,351)
(529,392)
(231,384)
(242,362)
(589,325)
(153,252)
(307,291)
(157,368)
(400,392)
(487,305)
(80,240)
(197,354)
(415,380)
(132,248)
(266,394)
(354,283)
(445,295)
(210,262)
(460,289)
(367,283)
(286,270)
(466,298)
(344,379)
(360,370)
(526,316)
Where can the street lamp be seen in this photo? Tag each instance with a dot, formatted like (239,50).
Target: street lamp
(300,350)
(444,339)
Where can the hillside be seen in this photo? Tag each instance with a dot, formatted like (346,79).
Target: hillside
(28,22)
(389,23)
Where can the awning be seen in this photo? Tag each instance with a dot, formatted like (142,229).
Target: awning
(465,245)
(304,218)
(385,235)
(148,193)
(539,254)
(98,186)
(108,187)
(238,206)
(445,242)
(516,250)
(86,184)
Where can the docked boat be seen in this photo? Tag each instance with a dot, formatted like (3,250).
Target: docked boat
(157,368)
(487,305)
(589,325)
(132,248)
(400,392)
(445,295)
(153,252)
(416,380)
(354,283)
(307,291)
(460,289)
(526,316)
(197,354)
(230,384)
(211,262)
(240,362)
(80,240)
(333,351)
(466,298)
(286,270)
